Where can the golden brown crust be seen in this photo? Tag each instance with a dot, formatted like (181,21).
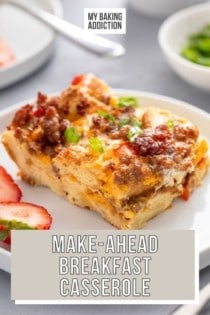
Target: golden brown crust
(146,156)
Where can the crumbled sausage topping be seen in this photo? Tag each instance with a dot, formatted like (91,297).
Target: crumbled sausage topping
(162,149)
(142,148)
(82,108)
(42,127)
(158,142)
(183,133)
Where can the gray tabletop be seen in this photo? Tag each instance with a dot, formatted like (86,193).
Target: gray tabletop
(142,68)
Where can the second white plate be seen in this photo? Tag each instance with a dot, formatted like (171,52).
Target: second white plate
(31,41)
(193,214)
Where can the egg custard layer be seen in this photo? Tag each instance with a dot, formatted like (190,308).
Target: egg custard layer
(107,153)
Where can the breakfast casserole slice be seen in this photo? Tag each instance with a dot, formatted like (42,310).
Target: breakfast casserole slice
(106,153)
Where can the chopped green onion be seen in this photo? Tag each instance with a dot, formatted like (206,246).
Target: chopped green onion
(127,101)
(133,133)
(197,48)
(106,115)
(127,121)
(72,135)
(201,44)
(190,54)
(204,33)
(123,122)
(136,123)
(170,124)
(96,145)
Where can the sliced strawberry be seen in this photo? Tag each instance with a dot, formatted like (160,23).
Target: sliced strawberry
(9,190)
(8,238)
(6,54)
(5,235)
(24,215)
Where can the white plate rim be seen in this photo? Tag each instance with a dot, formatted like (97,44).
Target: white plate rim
(204,253)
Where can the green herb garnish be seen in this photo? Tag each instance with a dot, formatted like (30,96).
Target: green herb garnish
(106,115)
(197,49)
(170,124)
(127,121)
(127,101)
(14,225)
(72,135)
(133,133)
(136,123)
(123,122)
(96,145)
(203,33)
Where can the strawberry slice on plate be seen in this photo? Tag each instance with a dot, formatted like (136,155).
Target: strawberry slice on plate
(22,216)
(5,235)
(9,190)
(6,54)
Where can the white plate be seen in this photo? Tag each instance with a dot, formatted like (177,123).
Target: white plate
(194,214)
(31,41)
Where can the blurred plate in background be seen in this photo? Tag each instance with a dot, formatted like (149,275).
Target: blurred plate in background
(30,40)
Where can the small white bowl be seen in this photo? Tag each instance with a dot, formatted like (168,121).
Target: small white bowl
(173,36)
